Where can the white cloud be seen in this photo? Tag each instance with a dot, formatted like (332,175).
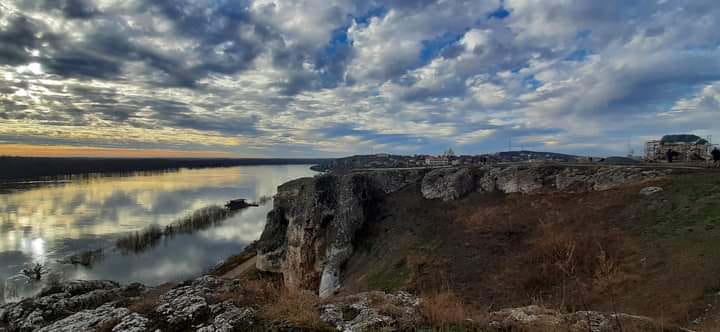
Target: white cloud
(268,76)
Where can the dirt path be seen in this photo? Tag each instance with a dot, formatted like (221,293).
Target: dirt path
(240,269)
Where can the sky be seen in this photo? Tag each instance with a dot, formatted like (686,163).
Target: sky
(324,78)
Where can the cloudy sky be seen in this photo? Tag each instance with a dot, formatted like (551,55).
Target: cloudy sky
(280,78)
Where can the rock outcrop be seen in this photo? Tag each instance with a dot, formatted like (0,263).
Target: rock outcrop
(537,318)
(534,179)
(86,306)
(454,183)
(648,191)
(310,231)
(186,308)
(372,311)
(106,316)
(447,183)
(68,299)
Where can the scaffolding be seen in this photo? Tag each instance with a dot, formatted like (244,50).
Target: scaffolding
(688,148)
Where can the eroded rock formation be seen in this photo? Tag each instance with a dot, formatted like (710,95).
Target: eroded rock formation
(447,183)
(101,306)
(537,318)
(310,231)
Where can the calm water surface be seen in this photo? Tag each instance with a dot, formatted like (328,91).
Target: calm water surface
(46,222)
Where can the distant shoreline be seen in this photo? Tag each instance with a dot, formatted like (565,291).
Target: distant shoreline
(34,168)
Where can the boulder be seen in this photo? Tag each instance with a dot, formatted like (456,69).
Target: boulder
(532,318)
(182,306)
(106,317)
(447,183)
(372,311)
(228,317)
(514,179)
(132,322)
(519,180)
(647,191)
(58,300)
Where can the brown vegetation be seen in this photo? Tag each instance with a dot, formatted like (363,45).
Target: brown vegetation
(296,308)
(150,236)
(445,310)
(611,251)
(275,303)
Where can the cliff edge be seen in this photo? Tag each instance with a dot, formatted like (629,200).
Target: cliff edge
(310,232)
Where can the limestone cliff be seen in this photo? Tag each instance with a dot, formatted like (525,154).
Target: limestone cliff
(310,231)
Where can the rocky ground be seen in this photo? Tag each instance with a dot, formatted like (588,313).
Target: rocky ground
(203,305)
(563,248)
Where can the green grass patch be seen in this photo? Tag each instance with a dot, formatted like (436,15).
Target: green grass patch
(388,278)
(689,203)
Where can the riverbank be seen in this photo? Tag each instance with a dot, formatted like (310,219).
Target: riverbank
(29,168)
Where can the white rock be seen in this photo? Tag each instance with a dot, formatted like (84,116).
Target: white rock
(647,191)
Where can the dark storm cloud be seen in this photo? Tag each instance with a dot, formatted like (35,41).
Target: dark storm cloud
(79,9)
(17,39)
(73,9)
(81,63)
(178,114)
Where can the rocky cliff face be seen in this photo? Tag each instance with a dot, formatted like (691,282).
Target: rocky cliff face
(452,183)
(310,231)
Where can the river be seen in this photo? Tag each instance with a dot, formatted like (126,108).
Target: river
(45,222)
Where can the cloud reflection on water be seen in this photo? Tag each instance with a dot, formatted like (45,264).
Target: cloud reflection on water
(50,222)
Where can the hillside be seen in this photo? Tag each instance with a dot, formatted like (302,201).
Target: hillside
(613,250)
(514,248)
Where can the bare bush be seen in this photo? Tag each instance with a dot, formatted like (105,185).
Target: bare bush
(35,272)
(444,309)
(150,236)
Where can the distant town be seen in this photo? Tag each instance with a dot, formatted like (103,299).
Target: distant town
(683,148)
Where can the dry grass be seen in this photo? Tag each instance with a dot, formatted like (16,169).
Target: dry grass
(297,308)
(275,303)
(138,241)
(251,292)
(444,309)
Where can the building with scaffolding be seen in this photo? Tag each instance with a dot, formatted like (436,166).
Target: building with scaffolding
(684,147)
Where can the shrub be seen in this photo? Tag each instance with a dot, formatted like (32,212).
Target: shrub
(444,309)
(150,236)
(297,308)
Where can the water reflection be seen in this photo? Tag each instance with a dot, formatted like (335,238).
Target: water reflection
(46,223)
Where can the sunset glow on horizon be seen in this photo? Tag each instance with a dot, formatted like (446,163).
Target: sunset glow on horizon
(22,150)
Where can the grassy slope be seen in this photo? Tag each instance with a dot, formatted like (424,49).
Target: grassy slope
(613,250)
